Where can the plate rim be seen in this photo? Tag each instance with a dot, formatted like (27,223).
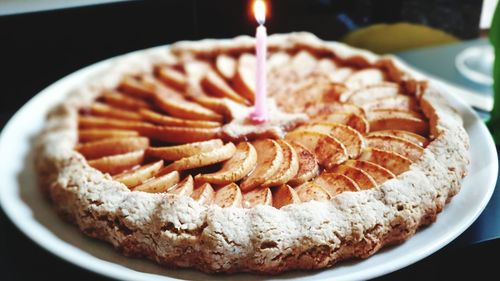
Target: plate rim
(104,268)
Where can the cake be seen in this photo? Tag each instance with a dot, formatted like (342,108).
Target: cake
(156,155)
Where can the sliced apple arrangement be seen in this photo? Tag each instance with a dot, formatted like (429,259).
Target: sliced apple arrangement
(163,131)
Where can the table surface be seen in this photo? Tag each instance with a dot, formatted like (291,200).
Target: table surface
(21,259)
(440,62)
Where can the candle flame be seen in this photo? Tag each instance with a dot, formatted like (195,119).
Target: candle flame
(259,10)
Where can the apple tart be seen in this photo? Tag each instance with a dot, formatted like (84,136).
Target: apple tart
(156,155)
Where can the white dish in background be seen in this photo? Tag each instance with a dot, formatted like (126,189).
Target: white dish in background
(476,64)
(32,214)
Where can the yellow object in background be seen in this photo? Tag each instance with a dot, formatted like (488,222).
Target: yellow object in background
(390,38)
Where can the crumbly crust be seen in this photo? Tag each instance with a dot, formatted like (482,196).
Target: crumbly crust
(176,231)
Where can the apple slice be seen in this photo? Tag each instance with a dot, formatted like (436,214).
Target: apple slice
(184,150)
(351,119)
(360,177)
(331,92)
(258,196)
(107,147)
(393,162)
(397,120)
(370,93)
(226,66)
(222,106)
(340,74)
(364,77)
(170,134)
(135,177)
(322,109)
(303,63)
(288,169)
(195,71)
(399,102)
(163,183)
(161,119)
(377,172)
(85,135)
(184,188)
(111,123)
(396,112)
(213,84)
(269,161)
(308,165)
(327,65)
(284,195)
(137,88)
(409,136)
(120,100)
(101,109)
(172,77)
(334,183)
(118,163)
(173,102)
(277,60)
(204,194)
(185,109)
(328,150)
(310,191)
(203,159)
(397,145)
(180,134)
(244,78)
(350,138)
(228,196)
(241,164)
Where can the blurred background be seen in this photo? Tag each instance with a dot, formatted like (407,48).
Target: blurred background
(42,41)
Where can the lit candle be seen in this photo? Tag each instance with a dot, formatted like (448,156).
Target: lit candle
(259,114)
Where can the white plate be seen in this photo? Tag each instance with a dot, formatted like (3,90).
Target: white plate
(28,209)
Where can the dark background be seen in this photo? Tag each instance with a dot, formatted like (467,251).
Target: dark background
(37,49)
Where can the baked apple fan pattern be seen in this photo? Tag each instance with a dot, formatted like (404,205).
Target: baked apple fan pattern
(183,129)
(158,156)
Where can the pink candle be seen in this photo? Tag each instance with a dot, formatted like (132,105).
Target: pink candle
(259,114)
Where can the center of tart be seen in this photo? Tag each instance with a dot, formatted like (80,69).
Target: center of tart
(184,129)
(241,127)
